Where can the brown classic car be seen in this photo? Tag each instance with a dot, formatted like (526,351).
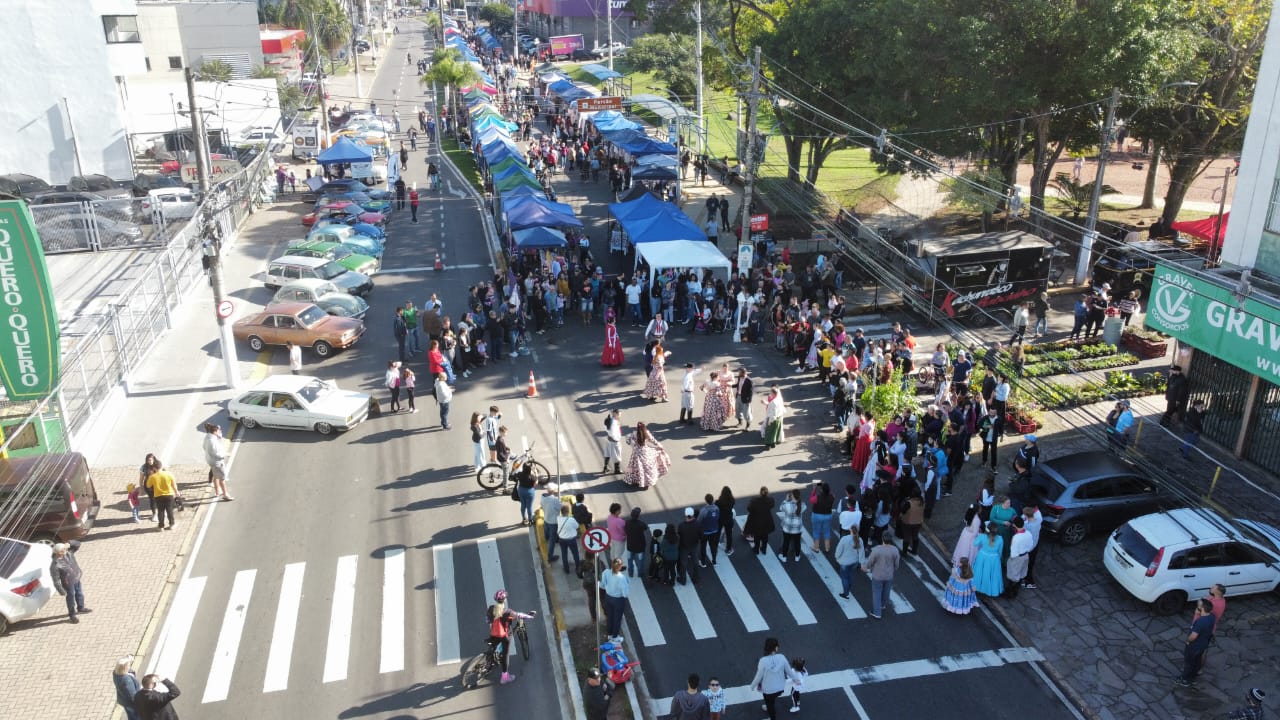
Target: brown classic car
(304,324)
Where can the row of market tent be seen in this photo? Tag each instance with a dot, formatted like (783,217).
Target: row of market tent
(663,235)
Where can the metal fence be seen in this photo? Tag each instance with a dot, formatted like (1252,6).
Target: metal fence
(101,351)
(98,225)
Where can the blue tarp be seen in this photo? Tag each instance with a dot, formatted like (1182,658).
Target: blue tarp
(539,237)
(513,169)
(600,72)
(607,120)
(647,219)
(488,122)
(637,143)
(344,151)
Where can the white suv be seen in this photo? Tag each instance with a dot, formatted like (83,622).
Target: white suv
(1168,558)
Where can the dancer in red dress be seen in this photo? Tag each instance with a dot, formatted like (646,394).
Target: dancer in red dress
(612,355)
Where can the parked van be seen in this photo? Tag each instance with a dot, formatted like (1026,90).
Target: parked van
(47,498)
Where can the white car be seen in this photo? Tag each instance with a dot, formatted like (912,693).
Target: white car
(603,50)
(262,137)
(169,203)
(1169,558)
(25,580)
(299,402)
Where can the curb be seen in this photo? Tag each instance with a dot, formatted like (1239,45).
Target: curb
(1016,631)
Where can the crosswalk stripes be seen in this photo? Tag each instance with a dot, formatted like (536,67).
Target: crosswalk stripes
(448,644)
(224,655)
(738,595)
(646,619)
(393,567)
(338,647)
(490,566)
(831,579)
(791,597)
(182,615)
(285,629)
(694,612)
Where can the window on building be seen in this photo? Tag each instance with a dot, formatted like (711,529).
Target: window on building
(1273,212)
(175,62)
(121,29)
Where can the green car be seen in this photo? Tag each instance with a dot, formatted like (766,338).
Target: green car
(339,253)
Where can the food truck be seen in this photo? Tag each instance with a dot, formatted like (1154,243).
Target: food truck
(962,275)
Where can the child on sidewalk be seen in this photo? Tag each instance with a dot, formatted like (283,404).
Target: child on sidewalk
(134,499)
(797,683)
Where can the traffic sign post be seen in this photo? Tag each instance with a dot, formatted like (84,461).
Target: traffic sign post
(594,541)
(225,308)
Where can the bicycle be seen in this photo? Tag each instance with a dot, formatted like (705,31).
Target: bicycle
(482,665)
(494,476)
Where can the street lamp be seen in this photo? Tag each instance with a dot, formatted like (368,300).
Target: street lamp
(1091,220)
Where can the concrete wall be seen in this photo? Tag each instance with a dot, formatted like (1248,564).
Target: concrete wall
(210,29)
(1248,243)
(161,37)
(55,51)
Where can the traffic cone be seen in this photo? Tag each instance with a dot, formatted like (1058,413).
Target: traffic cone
(533,386)
(439,264)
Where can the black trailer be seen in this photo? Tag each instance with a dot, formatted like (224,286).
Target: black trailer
(1131,266)
(966,277)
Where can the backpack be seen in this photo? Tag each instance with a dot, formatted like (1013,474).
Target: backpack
(497,623)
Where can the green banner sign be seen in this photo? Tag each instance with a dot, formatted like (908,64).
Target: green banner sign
(29,344)
(1208,317)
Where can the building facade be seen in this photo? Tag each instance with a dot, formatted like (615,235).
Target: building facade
(188,33)
(1227,320)
(64,87)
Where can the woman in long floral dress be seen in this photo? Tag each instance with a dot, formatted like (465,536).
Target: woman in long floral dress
(648,460)
(656,388)
(612,354)
(714,411)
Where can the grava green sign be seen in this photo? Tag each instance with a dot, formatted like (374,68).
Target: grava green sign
(1206,316)
(29,345)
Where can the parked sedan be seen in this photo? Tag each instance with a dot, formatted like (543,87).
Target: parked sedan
(324,294)
(344,234)
(99,185)
(1090,491)
(362,228)
(299,402)
(303,324)
(341,254)
(349,211)
(21,186)
(25,580)
(169,204)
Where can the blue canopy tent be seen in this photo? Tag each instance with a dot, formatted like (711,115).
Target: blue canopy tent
(539,237)
(637,143)
(513,169)
(345,150)
(607,120)
(600,72)
(488,122)
(533,211)
(656,167)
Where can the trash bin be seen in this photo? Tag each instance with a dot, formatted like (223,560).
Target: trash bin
(1112,326)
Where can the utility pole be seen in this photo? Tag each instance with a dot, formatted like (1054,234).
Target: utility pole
(749,146)
(213,240)
(608,9)
(1091,220)
(702,128)
(355,60)
(515,32)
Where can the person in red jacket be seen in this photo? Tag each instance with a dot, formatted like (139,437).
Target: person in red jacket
(413,203)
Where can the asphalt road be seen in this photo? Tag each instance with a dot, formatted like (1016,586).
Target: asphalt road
(352,573)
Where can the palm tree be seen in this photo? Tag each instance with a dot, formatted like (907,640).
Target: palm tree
(450,69)
(214,71)
(1074,194)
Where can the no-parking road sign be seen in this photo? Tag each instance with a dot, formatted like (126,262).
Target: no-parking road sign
(595,541)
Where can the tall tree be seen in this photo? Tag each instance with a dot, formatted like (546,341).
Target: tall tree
(451,70)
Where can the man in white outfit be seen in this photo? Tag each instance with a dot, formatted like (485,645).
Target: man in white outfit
(613,442)
(686,393)
(656,329)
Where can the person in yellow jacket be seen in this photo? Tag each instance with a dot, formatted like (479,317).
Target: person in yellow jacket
(165,488)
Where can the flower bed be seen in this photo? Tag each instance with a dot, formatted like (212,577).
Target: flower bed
(1117,385)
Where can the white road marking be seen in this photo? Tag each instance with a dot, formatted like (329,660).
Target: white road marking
(520,411)
(739,596)
(338,649)
(490,566)
(551,408)
(901,606)
(857,705)
(224,654)
(564,446)
(831,578)
(286,627)
(646,618)
(177,627)
(904,670)
(448,646)
(927,578)
(392,658)
(524,443)
(791,596)
(699,621)
(428,268)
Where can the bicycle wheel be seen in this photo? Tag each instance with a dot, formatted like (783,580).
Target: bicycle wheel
(539,472)
(522,641)
(490,477)
(475,669)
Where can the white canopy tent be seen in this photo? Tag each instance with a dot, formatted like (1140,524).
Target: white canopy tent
(683,254)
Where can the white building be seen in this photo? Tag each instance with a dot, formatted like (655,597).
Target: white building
(64,87)
(188,33)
